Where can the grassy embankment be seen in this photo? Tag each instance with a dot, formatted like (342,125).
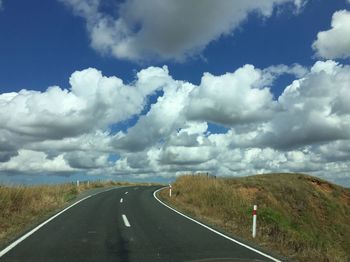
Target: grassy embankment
(21,207)
(299,216)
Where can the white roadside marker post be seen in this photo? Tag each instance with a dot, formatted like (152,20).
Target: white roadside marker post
(169,190)
(77,183)
(254,220)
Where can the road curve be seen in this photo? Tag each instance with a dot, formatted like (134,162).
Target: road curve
(126,224)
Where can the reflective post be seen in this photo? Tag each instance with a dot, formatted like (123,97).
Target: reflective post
(254,220)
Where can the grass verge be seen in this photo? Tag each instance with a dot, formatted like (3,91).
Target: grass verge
(299,216)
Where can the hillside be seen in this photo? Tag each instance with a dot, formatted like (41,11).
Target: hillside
(299,216)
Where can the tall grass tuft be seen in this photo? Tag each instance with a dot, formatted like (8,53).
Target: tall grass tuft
(299,216)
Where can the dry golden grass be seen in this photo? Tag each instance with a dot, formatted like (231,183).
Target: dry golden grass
(21,207)
(299,216)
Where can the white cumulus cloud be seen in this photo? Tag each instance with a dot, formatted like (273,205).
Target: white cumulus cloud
(314,108)
(162,30)
(93,102)
(164,117)
(28,161)
(335,42)
(231,98)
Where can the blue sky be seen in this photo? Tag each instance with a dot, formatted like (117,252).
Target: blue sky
(155,126)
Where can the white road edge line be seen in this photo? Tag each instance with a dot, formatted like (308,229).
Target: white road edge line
(19,240)
(121,200)
(213,230)
(126,221)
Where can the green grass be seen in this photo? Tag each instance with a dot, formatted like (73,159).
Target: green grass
(299,216)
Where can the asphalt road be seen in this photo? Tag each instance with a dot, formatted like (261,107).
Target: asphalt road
(126,224)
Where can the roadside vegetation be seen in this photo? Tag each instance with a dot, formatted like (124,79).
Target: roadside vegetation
(301,217)
(21,207)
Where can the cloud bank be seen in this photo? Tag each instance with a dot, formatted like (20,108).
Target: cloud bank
(306,129)
(150,29)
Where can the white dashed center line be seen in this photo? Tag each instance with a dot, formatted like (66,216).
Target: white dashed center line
(126,192)
(121,200)
(126,221)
